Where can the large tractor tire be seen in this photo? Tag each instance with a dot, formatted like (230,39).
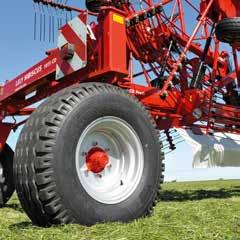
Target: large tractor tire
(94,5)
(6,175)
(228,30)
(89,154)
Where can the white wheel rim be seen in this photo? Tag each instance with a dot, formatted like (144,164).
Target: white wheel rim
(123,173)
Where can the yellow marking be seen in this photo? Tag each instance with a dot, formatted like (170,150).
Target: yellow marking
(118,19)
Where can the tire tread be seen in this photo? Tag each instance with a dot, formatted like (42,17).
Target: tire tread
(33,172)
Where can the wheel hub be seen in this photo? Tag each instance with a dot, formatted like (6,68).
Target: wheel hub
(109,160)
(96,160)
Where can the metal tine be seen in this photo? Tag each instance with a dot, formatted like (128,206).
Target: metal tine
(165,147)
(35,26)
(44,24)
(50,27)
(35,22)
(58,18)
(173,137)
(179,142)
(58,15)
(60,11)
(166,153)
(67,12)
(53,28)
(62,14)
(66,17)
(43,30)
(40,11)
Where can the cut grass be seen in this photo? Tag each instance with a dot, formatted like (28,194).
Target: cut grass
(193,210)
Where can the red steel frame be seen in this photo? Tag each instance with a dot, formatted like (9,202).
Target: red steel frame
(111,60)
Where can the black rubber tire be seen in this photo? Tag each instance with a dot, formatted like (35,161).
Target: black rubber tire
(6,181)
(93,5)
(46,178)
(228,30)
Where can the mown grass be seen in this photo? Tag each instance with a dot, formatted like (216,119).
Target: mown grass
(194,210)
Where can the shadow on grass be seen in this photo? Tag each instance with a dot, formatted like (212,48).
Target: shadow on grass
(15,207)
(191,195)
(21,226)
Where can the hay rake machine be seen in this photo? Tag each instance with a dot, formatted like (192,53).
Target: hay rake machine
(122,72)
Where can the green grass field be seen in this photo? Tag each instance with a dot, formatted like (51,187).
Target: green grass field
(194,210)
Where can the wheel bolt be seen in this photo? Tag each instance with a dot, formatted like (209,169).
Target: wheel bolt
(85,169)
(95,143)
(107,149)
(84,154)
(99,175)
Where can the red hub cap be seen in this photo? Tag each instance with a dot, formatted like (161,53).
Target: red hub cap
(96,160)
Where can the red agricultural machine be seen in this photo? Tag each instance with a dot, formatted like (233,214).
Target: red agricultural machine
(123,72)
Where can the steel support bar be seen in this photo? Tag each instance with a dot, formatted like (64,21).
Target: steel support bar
(183,54)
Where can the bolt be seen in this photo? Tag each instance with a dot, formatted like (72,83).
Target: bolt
(121,183)
(85,169)
(107,149)
(84,154)
(216,89)
(99,175)
(211,132)
(180,66)
(165,93)
(212,120)
(197,113)
(95,143)
(213,110)
(109,165)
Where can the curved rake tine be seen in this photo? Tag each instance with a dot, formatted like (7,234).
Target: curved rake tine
(53,28)
(49,24)
(40,35)
(35,23)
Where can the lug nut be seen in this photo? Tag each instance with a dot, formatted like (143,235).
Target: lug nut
(109,165)
(85,169)
(84,154)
